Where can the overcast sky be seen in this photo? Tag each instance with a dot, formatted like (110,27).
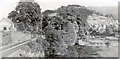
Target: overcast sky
(8,5)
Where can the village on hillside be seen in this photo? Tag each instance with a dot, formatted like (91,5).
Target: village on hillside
(69,31)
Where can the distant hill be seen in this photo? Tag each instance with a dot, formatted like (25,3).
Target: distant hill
(107,10)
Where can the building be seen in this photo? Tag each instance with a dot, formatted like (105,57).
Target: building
(7,25)
(111,38)
(81,42)
(26,0)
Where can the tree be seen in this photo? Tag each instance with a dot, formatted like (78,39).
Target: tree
(65,29)
(26,16)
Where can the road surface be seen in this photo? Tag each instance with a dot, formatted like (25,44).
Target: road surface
(7,50)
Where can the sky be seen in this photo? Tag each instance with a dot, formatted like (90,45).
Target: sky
(6,6)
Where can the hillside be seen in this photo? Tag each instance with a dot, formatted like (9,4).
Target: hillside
(107,10)
(102,24)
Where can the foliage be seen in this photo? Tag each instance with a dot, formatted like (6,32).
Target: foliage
(26,16)
(64,30)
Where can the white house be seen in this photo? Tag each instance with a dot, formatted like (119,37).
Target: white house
(7,25)
(81,42)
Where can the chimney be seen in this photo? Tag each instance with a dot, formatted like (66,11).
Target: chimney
(26,0)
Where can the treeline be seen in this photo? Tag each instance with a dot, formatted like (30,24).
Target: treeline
(62,28)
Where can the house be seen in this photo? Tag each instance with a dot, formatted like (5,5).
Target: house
(7,25)
(81,42)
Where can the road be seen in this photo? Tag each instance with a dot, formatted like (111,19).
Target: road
(102,51)
(7,50)
(109,52)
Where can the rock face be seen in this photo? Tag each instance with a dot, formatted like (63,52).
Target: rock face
(63,28)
